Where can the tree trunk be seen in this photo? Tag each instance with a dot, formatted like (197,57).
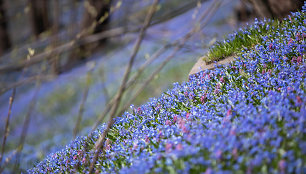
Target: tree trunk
(5,42)
(275,8)
(95,20)
(55,31)
(39,16)
(73,25)
(282,8)
(262,8)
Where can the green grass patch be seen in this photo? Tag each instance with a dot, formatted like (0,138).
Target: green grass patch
(243,39)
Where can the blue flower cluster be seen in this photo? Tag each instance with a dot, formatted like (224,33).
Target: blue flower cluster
(246,117)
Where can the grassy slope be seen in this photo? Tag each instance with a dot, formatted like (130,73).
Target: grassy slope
(249,116)
(245,39)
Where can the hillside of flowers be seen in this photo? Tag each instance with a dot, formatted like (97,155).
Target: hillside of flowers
(245,117)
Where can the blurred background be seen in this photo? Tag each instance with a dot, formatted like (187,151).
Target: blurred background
(62,61)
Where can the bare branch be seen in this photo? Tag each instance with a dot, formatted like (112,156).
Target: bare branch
(7,160)
(101,139)
(26,81)
(17,66)
(81,109)
(144,85)
(7,123)
(26,124)
(130,82)
(207,14)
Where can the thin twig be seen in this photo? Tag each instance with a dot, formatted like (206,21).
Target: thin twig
(64,47)
(101,139)
(26,125)
(84,37)
(144,85)
(140,70)
(81,109)
(26,81)
(81,41)
(103,83)
(7,160)
(7,123)
(111,120)
(206,14)
(130,82)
